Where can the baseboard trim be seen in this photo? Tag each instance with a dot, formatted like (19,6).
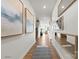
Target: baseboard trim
(27,51)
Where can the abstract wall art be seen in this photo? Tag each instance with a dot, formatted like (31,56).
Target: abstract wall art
(29,21)
(60,23)
(64,5)
(11,17)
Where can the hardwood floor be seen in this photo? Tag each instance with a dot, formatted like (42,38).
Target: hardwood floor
(43,41)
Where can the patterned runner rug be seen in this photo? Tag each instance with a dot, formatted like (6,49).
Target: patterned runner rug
(42,53)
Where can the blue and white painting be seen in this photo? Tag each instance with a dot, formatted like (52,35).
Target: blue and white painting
(29,26)
(11,17)
(29,22)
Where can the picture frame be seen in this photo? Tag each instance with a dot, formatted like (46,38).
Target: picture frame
(11,18)
(64,5)
(60,23)
(29,21)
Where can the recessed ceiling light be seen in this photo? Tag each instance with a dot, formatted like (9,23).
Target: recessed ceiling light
(63,7)
(44,6)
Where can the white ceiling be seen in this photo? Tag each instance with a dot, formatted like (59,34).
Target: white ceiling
(38,7)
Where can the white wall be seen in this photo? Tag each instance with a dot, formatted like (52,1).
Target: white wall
(70,18)
(16,47)
(70,26)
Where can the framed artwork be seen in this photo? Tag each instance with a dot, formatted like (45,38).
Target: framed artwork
(11,17)
(60,23)
(29,21)
(64,5)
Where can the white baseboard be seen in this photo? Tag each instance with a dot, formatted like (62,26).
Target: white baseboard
(60,50)
(30,45)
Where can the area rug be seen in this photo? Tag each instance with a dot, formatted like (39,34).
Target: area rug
(42,53)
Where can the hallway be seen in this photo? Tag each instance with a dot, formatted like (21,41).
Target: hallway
(42,49)
(23,22)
